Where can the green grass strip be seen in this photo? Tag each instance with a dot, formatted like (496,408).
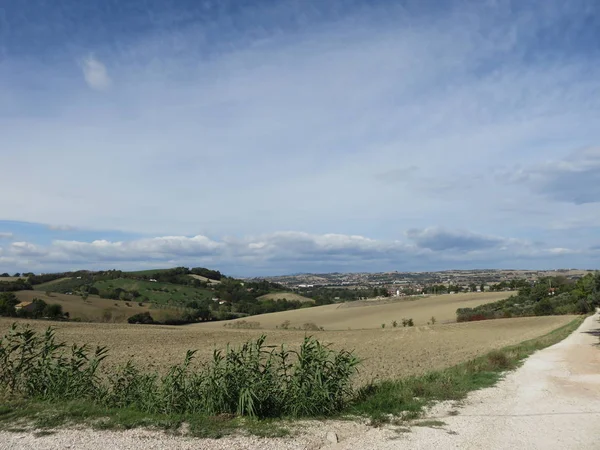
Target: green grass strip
(406,398)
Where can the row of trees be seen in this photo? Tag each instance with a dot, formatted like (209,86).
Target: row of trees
(548,296)
(38,309)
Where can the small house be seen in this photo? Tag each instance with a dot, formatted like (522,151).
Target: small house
(24,306)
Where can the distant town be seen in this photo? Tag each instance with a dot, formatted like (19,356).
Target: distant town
(411,283)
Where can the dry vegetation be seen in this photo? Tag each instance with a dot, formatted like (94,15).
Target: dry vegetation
(372,313)
(11,278)
(201,278)
(389,353)
(96,309)
(291,296)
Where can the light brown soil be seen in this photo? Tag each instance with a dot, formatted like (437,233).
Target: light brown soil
(388,353)
(374,313)
(288,296)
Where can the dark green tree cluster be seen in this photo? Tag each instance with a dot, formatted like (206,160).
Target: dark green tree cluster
(13,286)
(548,296)
(38,308)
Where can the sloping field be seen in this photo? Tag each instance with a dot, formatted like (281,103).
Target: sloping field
(96,309)
(371,314)
(388,353)
(11,278)
(291,296)
(160,293)
(49,284)
(201,278)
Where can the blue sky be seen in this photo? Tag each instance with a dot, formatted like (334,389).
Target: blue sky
(268,137)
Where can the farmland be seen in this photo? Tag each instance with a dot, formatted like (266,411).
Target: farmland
(373,313)
(291,296)
(387,353)
(10,278)
(159,293)
(96,309)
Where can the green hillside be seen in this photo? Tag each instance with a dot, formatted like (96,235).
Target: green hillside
(154,292)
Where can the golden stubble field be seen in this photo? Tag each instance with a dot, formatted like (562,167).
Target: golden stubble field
(372,313)
(386,353)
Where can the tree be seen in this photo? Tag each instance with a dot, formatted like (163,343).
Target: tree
(17,275)
(482,287)
(8,301)
(143,318)
(53,311)
(473,287)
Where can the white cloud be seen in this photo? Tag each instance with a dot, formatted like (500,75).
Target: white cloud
(6,235)
(95,73)
(282,252)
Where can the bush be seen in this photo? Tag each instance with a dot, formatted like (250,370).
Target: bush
(143,318)
(252,380)
(310,326)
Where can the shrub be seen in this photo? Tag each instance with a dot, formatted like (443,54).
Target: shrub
(394,324)
(310,326)
(433,320)
(143,318)
(251,380)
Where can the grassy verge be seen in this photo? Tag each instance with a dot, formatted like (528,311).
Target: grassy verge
(407,398)
(20,415)
(25,415)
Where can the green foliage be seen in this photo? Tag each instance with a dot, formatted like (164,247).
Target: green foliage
(252,380)
(143,318)
(8,301)
(548,296)
(13,286)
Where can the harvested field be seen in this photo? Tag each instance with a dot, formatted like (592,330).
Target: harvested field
(12,278)
(290,296)
(201,278)
(388,353)
(49,284)
(372,313)
(96,309)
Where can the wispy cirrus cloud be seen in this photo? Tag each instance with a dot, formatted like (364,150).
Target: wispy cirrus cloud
(95,73)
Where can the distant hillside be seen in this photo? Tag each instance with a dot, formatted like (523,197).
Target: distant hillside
(290,296)
(346,316)
(95,309)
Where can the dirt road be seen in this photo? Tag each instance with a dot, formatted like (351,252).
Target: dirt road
(551,402)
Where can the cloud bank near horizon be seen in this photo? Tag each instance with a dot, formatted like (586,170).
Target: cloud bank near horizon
(286,252)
